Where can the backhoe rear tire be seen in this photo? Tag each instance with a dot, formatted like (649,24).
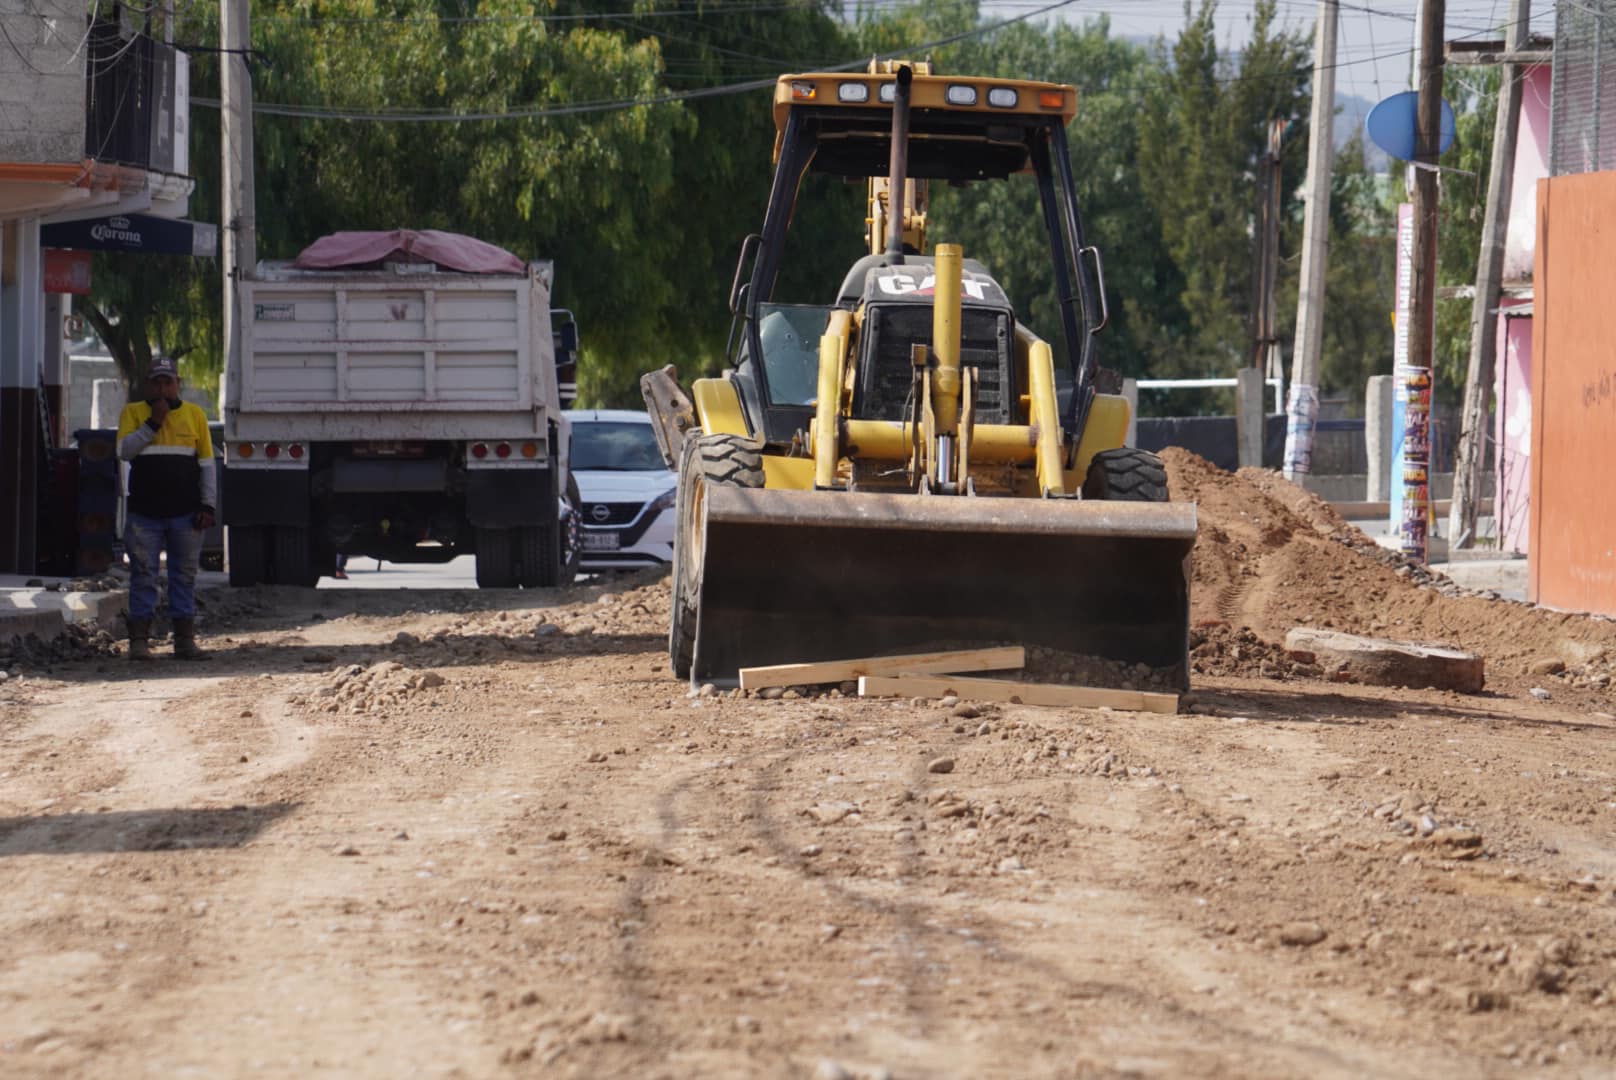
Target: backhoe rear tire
(1126,475)
(720,460)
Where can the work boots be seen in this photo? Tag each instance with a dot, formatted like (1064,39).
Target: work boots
(140,639)
(185,647)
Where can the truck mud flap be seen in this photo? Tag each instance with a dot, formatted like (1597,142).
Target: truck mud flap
(510,498)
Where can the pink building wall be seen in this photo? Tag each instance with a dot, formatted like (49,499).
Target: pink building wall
(1512,387)
(1531,165)
(1512,430)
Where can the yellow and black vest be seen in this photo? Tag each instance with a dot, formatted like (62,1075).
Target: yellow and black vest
(165,477)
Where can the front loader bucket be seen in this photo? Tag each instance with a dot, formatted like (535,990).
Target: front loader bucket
(796,576)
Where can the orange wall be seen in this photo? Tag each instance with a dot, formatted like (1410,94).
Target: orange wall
(1573,545)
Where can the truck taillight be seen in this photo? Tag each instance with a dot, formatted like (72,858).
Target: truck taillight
(479,450)
(272,451)
(503,449)
(244,450)
(296,451)
(530,450)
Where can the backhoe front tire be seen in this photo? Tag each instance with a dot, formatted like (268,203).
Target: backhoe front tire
(718,460)
(1126,475)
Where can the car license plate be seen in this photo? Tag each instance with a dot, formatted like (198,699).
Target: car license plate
(600,541)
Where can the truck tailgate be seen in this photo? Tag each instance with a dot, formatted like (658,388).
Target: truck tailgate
(432,343)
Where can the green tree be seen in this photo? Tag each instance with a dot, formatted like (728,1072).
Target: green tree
(1360,286)
(1462,207)
(1201,130)
(1002,224)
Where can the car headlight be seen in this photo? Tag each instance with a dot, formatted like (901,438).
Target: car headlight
(665,500)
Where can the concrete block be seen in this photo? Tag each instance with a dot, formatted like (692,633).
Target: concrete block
(45,625)
(107,399)
(1248,412)
(1378,406)
(1382,662)
(40,611)
(99,609)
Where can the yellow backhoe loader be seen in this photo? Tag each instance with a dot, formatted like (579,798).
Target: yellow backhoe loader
(903,465)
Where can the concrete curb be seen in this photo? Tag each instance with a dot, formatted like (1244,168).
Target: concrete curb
(46,625)
(100,609)
(47,613)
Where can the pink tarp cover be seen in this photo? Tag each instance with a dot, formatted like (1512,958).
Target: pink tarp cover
(464,253)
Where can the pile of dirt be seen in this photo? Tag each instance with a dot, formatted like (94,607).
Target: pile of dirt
(357,689)
(1272,557)
(1217,648)
(74,643)
(1056,666)
(220,605)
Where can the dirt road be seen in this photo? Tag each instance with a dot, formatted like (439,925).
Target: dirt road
(484,834)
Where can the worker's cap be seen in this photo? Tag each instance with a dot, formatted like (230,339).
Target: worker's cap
(164,365)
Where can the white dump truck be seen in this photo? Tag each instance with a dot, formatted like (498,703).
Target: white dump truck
(387,401)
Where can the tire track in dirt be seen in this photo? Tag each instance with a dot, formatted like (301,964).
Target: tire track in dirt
(929,950)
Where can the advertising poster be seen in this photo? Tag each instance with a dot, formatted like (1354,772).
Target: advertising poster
(1416,462)
(1405,291)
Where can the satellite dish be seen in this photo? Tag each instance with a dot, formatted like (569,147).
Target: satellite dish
(1391,125)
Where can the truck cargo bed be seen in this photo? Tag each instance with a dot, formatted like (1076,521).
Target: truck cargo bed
(390,354)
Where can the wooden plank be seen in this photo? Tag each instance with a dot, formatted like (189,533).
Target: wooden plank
(1087,697)
(1003,658)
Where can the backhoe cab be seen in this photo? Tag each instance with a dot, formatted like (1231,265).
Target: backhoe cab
(906,464)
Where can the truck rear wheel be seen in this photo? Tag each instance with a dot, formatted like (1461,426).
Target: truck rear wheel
(249,554)
(721,460)
(495,569)
(538,563)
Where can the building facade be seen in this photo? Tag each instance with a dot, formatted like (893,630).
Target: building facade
(94,127)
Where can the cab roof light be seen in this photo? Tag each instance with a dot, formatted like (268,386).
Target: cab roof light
(1051,99)
(889,92)
(1003,97)
(855,92)
(959,94)
(803,91)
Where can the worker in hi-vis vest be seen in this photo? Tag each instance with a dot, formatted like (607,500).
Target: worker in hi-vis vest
(172,494)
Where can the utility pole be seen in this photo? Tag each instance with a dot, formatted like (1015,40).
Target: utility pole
(1489,275)
(1303,407)
(1422,305)
(1250,409)
(240,220)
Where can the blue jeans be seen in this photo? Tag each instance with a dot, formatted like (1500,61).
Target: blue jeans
(145,538)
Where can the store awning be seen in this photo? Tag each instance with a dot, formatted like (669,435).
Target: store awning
(142,233)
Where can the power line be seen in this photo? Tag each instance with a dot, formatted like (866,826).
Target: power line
(310,112)
(403,115)
(587,16)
